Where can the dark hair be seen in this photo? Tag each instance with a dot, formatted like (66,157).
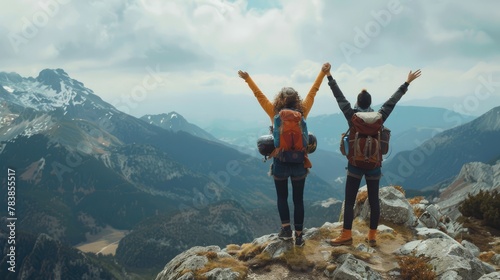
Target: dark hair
(364,99)
(287,98)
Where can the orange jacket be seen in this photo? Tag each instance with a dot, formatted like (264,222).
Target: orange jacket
(267,105)
(307,102)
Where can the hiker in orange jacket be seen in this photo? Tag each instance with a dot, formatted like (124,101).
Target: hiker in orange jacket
(290,99)
(355,173)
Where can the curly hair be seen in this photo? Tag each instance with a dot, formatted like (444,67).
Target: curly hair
(287,98)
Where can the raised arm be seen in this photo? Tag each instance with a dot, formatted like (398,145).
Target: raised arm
(308,101)
(344,105)
(263,101)
(389,105)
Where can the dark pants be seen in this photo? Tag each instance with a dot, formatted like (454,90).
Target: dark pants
(354,176)
(281,172)
(298,201)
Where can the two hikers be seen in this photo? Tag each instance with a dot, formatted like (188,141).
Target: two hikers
(288,98)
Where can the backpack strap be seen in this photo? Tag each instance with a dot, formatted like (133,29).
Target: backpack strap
(275,152)
(347,131)
(357,150)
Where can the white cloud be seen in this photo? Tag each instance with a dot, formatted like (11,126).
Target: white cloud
(200,44)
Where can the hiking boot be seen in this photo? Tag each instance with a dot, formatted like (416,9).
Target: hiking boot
(285,233)
(371,239)
(298,240)
(345,238)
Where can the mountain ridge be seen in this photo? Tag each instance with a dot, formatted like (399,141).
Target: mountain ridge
(175,122)
(473,177)
(441,157)
(85,165)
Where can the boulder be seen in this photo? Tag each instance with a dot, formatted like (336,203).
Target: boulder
(471,247)
(449,258)
(189,260)
(426,233)
(491,276)
(276,248)
(394,207)
(496,259)
(354,269)
(222,274)
(431,216)
(427,220)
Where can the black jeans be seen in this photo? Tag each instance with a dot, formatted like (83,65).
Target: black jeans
(298,201)
(351,191)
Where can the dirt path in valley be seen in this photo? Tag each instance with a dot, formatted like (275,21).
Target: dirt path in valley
(104,242)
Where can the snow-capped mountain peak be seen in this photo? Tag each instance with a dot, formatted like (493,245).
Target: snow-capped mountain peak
(52,89)
(48,104)
(56,78)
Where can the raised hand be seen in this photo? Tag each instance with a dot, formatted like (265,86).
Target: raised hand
(244,75)
(326,68)
(413,75)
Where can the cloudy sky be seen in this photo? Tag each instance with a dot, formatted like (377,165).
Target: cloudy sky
(158,56)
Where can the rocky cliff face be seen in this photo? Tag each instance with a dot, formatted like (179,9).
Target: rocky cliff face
(473,177)
(411,228)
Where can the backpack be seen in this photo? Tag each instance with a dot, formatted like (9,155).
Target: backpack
(265,144)
(290,136)
(366,140)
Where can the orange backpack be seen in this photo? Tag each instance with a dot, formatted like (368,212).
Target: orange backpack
(290,136)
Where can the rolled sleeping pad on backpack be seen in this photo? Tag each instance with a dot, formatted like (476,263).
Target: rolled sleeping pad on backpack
(312,144)
(265,144)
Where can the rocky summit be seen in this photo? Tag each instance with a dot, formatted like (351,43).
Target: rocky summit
(414,238)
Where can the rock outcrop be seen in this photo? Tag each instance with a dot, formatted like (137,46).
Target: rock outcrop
(473,177)
(419,230)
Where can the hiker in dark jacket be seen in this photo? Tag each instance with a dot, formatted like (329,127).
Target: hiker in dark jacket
(355,174)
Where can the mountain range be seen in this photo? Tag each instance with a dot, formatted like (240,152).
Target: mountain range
(408,132)
(441,157)
(84,165)
(175,122)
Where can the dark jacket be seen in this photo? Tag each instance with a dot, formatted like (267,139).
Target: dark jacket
(348,111)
